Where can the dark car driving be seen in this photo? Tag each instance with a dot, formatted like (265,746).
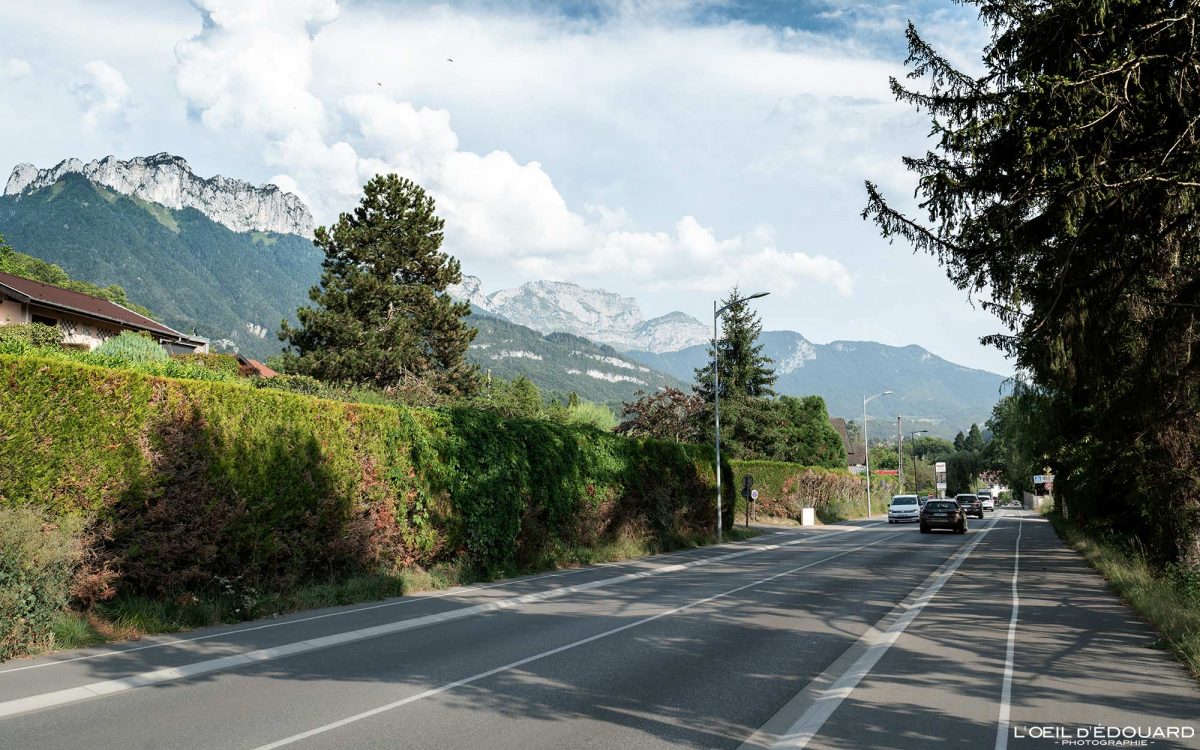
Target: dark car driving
(943,514)
(971,504)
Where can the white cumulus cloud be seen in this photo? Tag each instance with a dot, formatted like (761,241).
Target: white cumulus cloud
(250,72)
(102,93)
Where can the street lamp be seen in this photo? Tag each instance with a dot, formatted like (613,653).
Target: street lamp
(867,445)
(912,438)
(717,395)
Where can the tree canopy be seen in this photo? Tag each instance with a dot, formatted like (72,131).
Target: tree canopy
(381,312)
(1063,187)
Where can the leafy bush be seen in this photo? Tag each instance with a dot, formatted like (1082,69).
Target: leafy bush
(132,348)
(32,334)
(37,561)
(592,415)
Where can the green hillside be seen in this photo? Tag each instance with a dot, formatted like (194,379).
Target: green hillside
(190,271)
(560,362)
(29,267)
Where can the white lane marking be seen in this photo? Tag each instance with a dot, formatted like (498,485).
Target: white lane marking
(154,677)
(1006,691)
(521,662)
(412,599)
(803,729)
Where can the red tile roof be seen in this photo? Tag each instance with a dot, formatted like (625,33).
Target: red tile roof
(84,304)
(262,370)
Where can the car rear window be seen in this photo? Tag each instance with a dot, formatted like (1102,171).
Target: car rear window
(939,505)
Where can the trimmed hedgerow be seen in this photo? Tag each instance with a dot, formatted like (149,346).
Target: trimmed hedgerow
(190,482)
(786,488)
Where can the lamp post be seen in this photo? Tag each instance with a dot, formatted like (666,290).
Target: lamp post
(867,445)
(717,396)
(912,438)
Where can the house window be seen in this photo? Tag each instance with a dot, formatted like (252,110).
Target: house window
(44,320)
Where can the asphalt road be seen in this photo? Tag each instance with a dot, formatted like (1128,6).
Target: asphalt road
(861,635)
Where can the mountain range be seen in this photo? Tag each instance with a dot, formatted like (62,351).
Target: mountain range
(559,306)
(193,272)
(232,260)
(930,392)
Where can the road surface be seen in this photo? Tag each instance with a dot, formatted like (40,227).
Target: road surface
(861,635)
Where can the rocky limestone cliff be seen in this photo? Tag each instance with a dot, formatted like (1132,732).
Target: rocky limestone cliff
(169,181)
(594,314)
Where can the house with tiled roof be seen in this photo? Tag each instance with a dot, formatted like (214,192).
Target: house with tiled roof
(85,321)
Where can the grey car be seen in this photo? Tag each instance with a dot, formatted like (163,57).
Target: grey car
(943,514)
(971,504)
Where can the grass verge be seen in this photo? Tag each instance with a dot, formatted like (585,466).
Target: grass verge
(131,617)
(1169,599)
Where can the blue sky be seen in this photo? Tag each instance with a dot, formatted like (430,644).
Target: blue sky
(664,150)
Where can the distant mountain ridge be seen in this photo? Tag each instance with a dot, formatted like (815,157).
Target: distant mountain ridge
(931,393)
(168,181)
(189,270)
(561,363)
(595,314)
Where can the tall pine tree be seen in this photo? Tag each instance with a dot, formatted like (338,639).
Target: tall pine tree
(1063,183)
(381,314)
(745,371)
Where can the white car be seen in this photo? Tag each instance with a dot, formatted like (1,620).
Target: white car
(986,499)
(904,508)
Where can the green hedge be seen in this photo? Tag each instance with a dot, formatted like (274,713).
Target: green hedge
(785,488)
(182,481)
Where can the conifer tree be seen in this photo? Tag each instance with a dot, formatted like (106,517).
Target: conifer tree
(381,314)
(1062,183)
(745,371)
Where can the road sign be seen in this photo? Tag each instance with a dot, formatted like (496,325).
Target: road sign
(940,467)
(753,494)
(941,485)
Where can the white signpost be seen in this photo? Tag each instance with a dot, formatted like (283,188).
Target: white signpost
(939,469)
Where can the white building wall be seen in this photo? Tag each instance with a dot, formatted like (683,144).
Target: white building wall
(12,311)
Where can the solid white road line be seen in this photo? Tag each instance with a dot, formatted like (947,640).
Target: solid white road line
(1006,691)
(411,599)
(521,662)
(154,677)
(817,702)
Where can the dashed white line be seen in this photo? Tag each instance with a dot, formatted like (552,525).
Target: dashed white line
(1006,690)
(814,705)
(550,652)
(154,677)
(412,599)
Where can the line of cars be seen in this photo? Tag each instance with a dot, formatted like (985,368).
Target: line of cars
(941,513)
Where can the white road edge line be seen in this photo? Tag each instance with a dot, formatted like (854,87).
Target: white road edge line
(801,731)
(1006,691)
(206,666)
(410,599)
(551,652)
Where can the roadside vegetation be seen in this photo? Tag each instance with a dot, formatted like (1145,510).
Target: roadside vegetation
(1167,596)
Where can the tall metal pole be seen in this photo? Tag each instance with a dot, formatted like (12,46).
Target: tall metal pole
(867,450)
(912,440)
(900,451)
(867,445)
(717,416)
